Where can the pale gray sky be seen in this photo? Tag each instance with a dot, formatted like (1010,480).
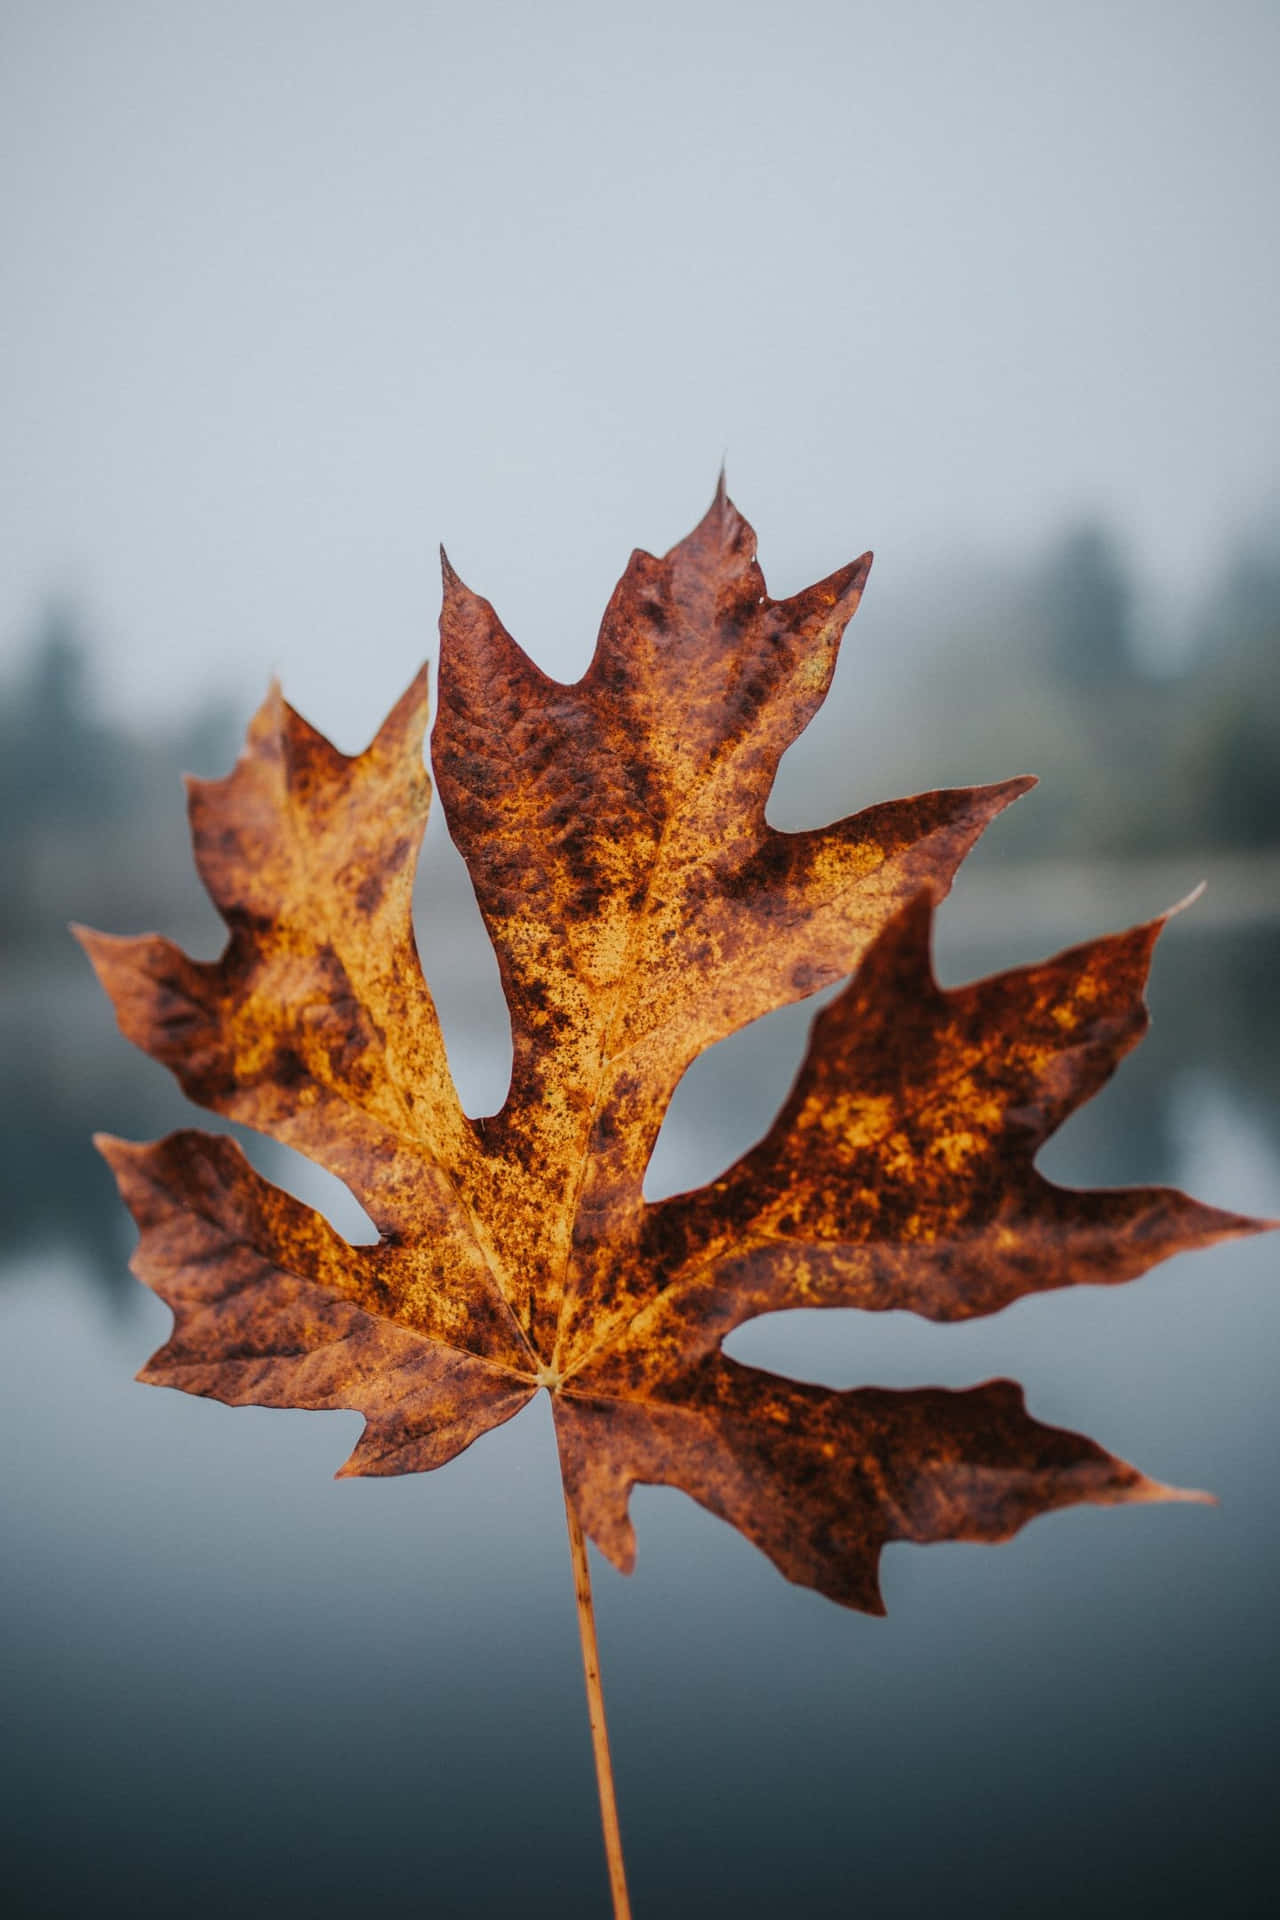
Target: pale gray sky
(293,291)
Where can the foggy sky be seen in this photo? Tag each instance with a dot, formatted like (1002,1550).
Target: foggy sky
(295,291)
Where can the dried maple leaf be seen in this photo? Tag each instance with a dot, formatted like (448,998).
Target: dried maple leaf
(641,909)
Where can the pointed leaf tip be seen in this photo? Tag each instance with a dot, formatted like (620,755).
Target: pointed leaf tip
(1157,1491)
(1187,900)
(455,587)
(1007,791)
(723,526)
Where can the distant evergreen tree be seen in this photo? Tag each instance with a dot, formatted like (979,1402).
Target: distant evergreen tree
(60,765)
(1085,598)
(1233,694)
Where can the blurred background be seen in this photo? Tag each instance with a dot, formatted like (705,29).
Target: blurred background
(292,293)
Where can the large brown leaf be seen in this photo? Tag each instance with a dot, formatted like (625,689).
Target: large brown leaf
(641,909)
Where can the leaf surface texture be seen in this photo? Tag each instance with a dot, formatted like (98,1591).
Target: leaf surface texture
(641,909)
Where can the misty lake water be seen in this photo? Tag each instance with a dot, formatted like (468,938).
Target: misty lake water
(234,1685)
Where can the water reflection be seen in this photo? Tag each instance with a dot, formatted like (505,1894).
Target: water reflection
(235,1684)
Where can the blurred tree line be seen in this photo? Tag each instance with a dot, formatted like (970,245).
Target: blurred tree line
(1145,743)
(92,809)
(1045,670)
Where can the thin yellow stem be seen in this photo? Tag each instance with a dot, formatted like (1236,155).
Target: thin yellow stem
(595,1711)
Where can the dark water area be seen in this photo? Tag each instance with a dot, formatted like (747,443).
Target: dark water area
(234,1685)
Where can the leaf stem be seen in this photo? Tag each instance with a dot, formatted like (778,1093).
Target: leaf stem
(595,1711)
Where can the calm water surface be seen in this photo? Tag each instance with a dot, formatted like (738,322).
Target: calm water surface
(234,1685)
